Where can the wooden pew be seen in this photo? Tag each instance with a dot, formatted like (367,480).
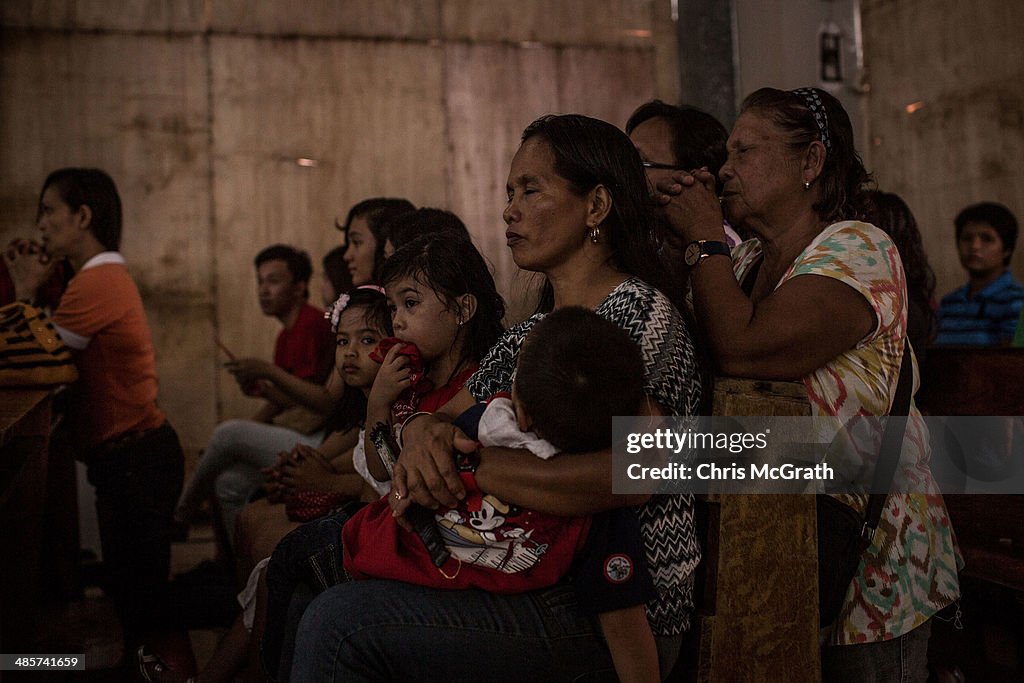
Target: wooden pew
(24,432)
(981,381)
(972,381)
(757,589)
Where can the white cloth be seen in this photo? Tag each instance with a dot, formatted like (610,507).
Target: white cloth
(247,598)
(359,462)
(498,427)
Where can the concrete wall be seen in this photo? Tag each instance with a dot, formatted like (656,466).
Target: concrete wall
(964,64)
(199,111)
(776,44)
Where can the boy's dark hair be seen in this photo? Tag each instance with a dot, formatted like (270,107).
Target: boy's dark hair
(351,410)
(297,261)
(405,227)
(377,211)
(998,216)
(698,138)
(576,371)
(451,268)
(93,188)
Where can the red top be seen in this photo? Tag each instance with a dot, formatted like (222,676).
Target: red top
(495,546)
(306,349)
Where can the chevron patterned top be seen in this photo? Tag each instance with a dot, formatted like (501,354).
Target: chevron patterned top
(666,521)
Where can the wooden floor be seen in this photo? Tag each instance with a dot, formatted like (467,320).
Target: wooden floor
(89,626)
(989,648)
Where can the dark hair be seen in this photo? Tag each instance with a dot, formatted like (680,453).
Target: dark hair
(351,410)
(843,176)
(405,227)
(377,212)
(575,372)
(891,214)
(93,188)
(299,265)
(336,271)
(589,152)
(698,138)
(451,268)
(998,216)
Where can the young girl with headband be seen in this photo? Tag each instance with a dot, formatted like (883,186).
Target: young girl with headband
(311,482)
(446,314)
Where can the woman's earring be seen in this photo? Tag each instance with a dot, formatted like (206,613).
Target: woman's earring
(807,184)
(595,234)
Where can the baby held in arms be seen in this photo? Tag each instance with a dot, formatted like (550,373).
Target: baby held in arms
(575,372)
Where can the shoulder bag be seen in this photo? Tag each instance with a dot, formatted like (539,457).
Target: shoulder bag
(843,534)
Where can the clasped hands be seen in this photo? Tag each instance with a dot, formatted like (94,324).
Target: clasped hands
(29,266)
(303,467)
(689,201)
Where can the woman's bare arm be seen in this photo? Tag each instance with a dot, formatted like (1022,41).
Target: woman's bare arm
(788,334)
(567,484)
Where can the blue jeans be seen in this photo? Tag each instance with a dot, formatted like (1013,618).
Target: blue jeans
(385,630)
(231,464)
(900,660)
(305,563)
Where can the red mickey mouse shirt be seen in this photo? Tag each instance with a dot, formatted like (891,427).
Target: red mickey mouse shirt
(495,546)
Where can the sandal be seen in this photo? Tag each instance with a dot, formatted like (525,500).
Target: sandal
(150,666)
(152,669)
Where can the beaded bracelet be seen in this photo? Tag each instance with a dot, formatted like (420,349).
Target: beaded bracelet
(401,427)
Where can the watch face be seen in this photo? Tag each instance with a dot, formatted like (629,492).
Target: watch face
(692,254)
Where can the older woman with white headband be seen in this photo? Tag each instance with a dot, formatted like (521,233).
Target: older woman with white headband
(821,297)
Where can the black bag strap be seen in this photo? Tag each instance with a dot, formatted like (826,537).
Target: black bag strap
(892,445)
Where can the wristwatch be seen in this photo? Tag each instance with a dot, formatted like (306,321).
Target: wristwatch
(698,250)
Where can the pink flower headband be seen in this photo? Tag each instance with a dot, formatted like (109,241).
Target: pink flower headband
(338,307)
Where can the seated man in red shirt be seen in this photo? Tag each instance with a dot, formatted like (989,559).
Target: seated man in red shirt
(305,344)
(239,449)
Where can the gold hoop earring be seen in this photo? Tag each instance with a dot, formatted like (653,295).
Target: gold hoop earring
(595,234)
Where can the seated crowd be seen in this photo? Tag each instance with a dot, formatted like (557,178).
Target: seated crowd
(669,253)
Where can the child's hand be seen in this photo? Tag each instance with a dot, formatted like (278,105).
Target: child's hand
(276,492)
(273,486)
(306,471)
(392,379)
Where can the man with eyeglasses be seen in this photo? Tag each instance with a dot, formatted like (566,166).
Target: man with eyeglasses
(671,139)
